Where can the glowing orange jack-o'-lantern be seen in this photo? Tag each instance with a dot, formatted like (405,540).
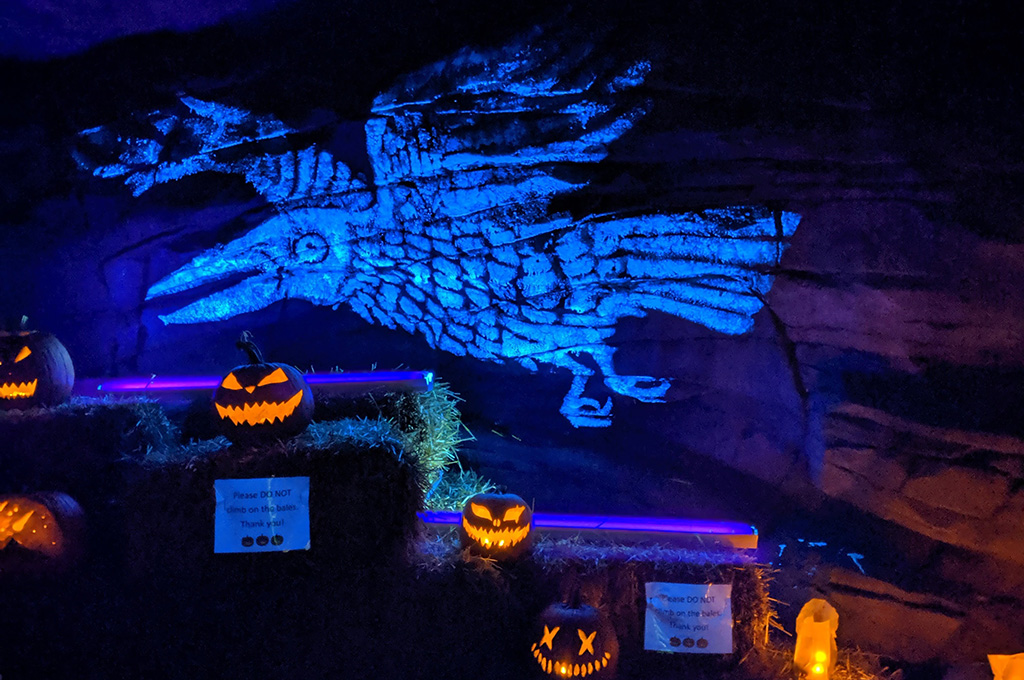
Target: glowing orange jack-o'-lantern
(575,642)
(496,525)
(815,653)
(47,527)
(261,400)
(35,370)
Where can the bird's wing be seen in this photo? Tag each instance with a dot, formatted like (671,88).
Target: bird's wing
(484,129)
(198,136)
(713,267)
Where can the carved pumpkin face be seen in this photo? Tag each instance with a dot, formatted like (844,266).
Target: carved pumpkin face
(496,525)
(35,370)
(575,642)
(48,524)
(263,400)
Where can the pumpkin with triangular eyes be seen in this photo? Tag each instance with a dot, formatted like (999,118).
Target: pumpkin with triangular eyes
(575,641)
(35,370)
(496,525)
(261,400)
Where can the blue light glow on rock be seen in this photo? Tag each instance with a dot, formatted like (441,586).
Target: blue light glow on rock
(453,237)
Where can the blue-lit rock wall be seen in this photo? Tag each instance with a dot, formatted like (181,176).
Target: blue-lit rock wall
(704,235)
(671,240)
(454,237)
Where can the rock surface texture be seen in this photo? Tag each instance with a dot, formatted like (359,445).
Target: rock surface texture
(879,373)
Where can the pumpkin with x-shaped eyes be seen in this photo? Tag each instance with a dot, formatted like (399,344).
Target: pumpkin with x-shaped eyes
(496,525)
(262,400)
(35,370)
(575,641)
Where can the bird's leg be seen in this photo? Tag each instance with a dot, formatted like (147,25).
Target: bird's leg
(641,387)
(583,411)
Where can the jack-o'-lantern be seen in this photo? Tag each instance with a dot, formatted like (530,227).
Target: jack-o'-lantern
(575,641)
(496,525)
(47,527)
(35,370)
(260,400)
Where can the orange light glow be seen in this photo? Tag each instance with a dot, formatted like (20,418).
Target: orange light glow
(815,652)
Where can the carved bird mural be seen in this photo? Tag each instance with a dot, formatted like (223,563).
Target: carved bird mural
(454,235)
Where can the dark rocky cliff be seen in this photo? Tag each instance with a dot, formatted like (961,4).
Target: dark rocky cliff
(883,370)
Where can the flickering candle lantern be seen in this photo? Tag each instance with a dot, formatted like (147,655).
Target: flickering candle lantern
(1007,666)
(815,653)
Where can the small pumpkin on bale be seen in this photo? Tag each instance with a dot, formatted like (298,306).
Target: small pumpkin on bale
(261,401)
(496,525)
(35,369)
(39,532)
(575,640)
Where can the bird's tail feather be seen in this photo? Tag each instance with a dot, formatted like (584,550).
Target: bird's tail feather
(711,267)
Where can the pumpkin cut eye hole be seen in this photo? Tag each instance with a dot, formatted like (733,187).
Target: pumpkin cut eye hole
(513,514)
(277,376)
(586,641)
(231,382)
(23,354)
(480,511)
(549,636)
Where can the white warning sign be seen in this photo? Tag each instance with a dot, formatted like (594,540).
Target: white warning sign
(261,515)
(688,618)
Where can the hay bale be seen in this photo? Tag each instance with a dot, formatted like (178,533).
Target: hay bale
(427,423)
(156,601)
(78,447)
(364,494)
(494,606)
(368,599)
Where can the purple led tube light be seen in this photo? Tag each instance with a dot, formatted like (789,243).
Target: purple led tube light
(355,380)
(669,527)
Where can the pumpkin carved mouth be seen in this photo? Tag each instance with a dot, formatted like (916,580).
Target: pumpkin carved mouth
(18,390)
(500,538)
(261,412)
(569,670)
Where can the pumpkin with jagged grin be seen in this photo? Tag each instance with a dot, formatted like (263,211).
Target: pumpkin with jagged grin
(575,641)
(35,370)
(261,400)
(496,525)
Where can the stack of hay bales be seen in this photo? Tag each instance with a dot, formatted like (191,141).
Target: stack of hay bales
(371,597)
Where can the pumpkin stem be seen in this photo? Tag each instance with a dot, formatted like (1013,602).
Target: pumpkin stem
(248,345)
(570,589)
(12,324)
